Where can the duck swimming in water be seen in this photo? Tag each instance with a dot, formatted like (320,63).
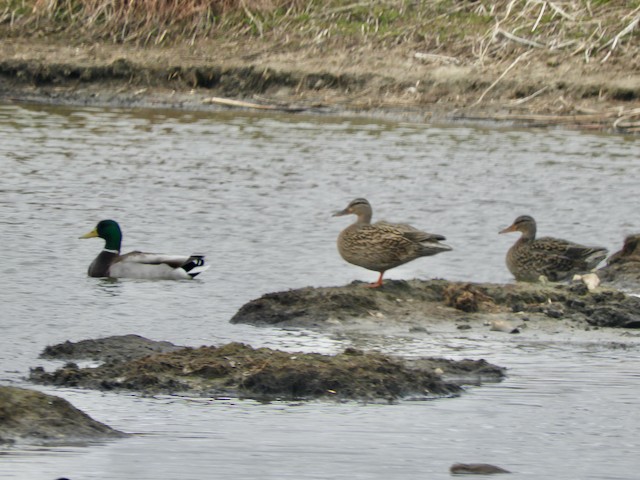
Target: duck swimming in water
(109,262)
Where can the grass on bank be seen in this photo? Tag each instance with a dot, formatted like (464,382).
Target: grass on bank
(593,29)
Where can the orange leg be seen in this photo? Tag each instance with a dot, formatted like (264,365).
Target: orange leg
(378,283)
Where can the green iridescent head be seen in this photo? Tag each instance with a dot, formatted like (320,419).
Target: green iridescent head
(110,231)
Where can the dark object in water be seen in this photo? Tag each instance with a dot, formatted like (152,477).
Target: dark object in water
(475,469)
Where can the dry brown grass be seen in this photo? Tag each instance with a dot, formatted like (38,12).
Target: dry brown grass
(470,30)
(140,21)
(136,21)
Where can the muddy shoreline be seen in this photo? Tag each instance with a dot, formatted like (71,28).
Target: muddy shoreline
(552,312)
(390,84)
(414,307)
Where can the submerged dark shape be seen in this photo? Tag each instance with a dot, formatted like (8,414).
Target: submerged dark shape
(476,469)
(531,258)
(382,246)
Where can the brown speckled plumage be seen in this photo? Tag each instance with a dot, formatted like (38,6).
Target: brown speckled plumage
(630,251)
(556,259)
(381,246)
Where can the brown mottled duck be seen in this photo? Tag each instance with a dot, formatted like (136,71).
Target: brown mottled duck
(381,246)
(555,259)
(630,251)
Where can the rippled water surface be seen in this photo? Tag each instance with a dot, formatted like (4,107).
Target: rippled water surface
(256,194)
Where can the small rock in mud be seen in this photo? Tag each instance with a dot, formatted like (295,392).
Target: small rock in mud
(504,326)
(590,280)
(236,369)
(30,416)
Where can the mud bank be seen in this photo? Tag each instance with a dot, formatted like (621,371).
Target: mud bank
(395,83)
(239,370)
(114,349)
(34,417)
(417,305)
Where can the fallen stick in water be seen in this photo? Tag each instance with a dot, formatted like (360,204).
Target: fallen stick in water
(229,102)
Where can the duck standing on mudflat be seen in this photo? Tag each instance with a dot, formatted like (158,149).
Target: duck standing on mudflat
(109,262)
(381,246)
(556,259)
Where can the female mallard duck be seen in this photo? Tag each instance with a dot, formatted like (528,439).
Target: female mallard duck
(109,262)
(630,251)
(382,246)
(555,259)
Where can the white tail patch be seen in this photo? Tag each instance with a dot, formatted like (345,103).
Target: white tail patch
(197,270)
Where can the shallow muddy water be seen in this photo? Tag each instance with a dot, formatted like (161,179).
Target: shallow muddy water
(255,194)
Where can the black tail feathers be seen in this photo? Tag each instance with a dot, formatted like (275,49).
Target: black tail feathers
(195,265)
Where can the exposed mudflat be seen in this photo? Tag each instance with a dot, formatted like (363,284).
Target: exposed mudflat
(419,305)
(31,416)
(396,82)
(108,350)
(239,370)
(412,307)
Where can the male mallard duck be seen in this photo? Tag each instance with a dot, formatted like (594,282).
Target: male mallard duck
(382,245)
(556,259)
(109,262)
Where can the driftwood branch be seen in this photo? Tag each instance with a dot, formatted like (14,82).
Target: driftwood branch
(229,102)
(623,121)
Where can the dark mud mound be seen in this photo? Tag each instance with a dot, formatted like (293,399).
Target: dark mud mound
(229,81)
(27,415)
(239,370)
(111,349)
(426,301)
(623,267)
(314,307)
